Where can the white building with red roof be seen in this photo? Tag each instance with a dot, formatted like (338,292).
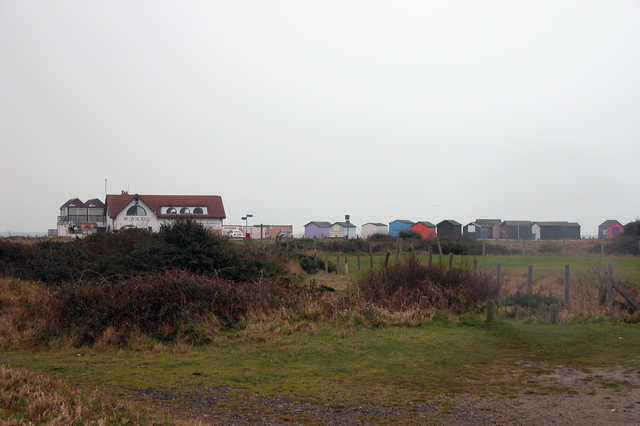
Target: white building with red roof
(152,211)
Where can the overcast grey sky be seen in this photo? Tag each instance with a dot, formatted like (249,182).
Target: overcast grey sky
(298,111)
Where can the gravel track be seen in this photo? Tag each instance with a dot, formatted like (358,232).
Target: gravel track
(600,397)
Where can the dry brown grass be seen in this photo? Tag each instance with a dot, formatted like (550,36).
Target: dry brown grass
(36,399)
(30,399)
(31,314)
(569,247)
(23,306)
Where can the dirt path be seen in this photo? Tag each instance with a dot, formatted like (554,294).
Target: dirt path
(600,397)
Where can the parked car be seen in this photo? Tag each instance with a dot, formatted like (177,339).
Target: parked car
(235,234)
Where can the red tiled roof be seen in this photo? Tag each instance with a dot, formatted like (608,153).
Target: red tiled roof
(213,203)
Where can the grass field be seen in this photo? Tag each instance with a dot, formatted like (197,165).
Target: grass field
(326,365)
(349,363)
(548,270)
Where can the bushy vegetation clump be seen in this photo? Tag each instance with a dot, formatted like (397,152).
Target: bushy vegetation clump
(312,265)
(167,307)
(464,246)
(343,245)
(623,245)
(408,284)
(407,241)
(183,245)
(632,229)
(523,304)
(406,234)
(381,238)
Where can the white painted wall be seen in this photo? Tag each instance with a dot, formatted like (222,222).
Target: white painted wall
(535,229)
(151,221)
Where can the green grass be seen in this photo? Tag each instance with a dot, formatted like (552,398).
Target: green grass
(331,365)
(625,268)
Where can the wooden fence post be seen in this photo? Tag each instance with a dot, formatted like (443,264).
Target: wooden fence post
(609,293)
(450,260)
(475,266)
(554,309)
(530,279)
(424,302)
(370,256)
(491,306)
(430,255)
(566,286)
(386,259)
(346,265)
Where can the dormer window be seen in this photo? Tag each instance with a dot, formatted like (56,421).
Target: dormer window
(197,210)
(172,210)
(136,210)
(185,210)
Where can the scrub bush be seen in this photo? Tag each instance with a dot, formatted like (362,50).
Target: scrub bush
(623,245)
(534,302)
(402,285)
(183,245)
(165,306)
(409,235)
(465,246)
(342,245)
(632,229)
(310,264)
(381,238)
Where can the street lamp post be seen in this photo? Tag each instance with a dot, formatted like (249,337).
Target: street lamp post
(347,218)
(246,224)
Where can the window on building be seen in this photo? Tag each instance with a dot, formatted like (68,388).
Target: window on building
(185,210)
(136,211)
(172,210)
(197,210)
